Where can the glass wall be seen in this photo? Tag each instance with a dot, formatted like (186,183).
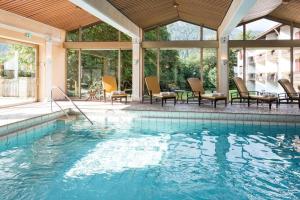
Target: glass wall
(86,67)
(94,64)
(264,67)
(210,68)
(97,32)
(296,70)
(209,34)
(150,62)
(176,66)
(17,73)
(237,33)
(72,73)
(264,29)
(126,70)
(236,66)
(179,31)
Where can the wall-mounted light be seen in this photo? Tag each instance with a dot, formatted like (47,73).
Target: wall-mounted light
(175,5)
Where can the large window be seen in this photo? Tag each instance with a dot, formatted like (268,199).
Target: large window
(73,73)
(296,71)
(236,66)
(98,32)
(95,64)
(126,70)
(176,66)
(85,76)
(265,67)
(210,68)
(17,73)
(179,31)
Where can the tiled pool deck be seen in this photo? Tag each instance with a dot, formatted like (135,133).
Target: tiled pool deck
(285,112)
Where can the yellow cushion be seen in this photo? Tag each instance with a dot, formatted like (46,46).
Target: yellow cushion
(196,85)
(288,88)
(152,84)
(242,89)
(109,83)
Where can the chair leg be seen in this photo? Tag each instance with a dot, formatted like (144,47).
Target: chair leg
(215,103)
(199,100)
(248,102)
(257,102)
(175,101)
(270,105)
(226,102)
(150,99)
(162,102)
(277,103)
(125,100)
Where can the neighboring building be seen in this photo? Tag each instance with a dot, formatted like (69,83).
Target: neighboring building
(265,66)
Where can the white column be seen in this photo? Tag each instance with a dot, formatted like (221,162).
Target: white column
(222,70)
(137,69)
(236,12)
(48,70)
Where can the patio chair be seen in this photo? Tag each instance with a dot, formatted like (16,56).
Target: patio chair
(196,86)
(244,94)
(154,91)
(110,89)
(290,94)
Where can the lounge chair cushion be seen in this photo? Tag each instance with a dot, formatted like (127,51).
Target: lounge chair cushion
(213,97)
(196,85)
(289,89)
(109,84)
(242,89)
(152,84)
(117,92)
(165,94)
(263,98)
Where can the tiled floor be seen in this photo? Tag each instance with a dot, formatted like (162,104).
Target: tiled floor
(18,113)
(11,101)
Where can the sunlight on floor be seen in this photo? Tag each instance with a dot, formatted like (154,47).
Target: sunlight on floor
(121,154)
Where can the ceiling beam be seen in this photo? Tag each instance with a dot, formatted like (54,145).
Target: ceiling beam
(98,45)
(180,44)
(13,22)
(236,12)
(103,10)
(283,21)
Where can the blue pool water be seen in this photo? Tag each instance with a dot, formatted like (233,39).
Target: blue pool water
(149,158)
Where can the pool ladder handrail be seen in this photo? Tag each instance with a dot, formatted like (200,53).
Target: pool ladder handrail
(68,98)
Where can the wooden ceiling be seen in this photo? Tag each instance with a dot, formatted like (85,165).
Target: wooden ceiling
(58,13)
(150,13)
(145,13)
(289,11)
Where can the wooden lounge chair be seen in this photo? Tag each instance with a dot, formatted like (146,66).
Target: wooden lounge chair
(154,91)
(196,86)
(290,94)
(110,89)
(244,94)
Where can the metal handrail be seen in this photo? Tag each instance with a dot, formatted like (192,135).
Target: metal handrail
(64,94)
